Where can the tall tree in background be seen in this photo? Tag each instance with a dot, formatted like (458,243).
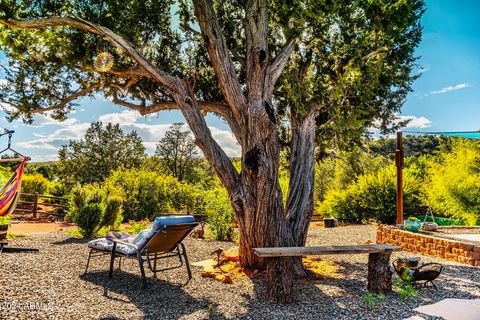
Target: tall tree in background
(102,150)
(178,153)
(350,67)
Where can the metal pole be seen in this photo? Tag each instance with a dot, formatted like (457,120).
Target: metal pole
(399,156)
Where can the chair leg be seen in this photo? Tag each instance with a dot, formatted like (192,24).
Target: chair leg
(112,260)
(184,253)
(142,270)
(154,265)
(88,261)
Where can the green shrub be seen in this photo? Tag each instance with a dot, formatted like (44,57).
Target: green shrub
(36,182)
(4,220)
(220,214)
(5,174)
(453,186)
(89,218)
(135,227)
(145,193)
(372,196)
(113,212)
(87,209)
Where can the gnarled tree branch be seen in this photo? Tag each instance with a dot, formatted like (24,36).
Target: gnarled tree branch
(278,64)
(64,102)
(159,75)
(176,87)
(221,60)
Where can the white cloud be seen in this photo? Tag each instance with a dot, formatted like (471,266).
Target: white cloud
(7,107)
(452,88)
(415,122)
(124,117)
(56,139)
(42,120)
(3,82)
(128,121)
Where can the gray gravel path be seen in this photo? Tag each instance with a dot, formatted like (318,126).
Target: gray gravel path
(51,285)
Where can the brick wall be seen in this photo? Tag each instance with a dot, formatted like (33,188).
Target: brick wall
(454,250)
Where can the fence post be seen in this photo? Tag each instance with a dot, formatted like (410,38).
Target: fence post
(35,204)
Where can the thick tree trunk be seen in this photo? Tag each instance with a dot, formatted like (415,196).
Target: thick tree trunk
(300,203)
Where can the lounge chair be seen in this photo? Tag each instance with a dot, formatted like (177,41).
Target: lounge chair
(164,240)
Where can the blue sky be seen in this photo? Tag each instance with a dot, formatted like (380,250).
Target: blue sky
(445,98)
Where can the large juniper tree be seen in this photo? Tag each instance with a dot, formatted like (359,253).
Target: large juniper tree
(281,74)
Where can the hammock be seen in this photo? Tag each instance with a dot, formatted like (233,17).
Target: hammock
(10,193)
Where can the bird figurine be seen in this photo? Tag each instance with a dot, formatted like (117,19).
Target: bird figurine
(218,252)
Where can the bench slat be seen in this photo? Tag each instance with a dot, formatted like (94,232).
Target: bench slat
(324,250)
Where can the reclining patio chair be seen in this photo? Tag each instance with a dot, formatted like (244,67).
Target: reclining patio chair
(164,240)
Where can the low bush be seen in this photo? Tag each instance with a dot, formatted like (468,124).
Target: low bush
(220,214)
(145,193)
(372,196)
(92,210)
(453,185)
(36,182)
(113,212)
(89,218)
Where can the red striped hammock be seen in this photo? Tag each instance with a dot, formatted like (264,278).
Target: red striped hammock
(10,193)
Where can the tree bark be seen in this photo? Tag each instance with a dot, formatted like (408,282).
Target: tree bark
(379,273)
(300,202)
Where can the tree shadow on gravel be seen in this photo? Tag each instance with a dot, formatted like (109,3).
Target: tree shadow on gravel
(343,298)
(160,300)
(310,302)
(72,240)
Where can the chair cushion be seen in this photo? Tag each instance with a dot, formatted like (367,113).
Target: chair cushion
(101,244)
(169,220)
(141,239)
(104,244)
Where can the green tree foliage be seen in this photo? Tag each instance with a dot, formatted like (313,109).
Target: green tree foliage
(102,150)
(353,64)
(145,193)
(413,146)
(372,196)
(453,184)
(178,153)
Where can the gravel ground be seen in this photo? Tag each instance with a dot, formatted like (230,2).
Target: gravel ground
(51,285)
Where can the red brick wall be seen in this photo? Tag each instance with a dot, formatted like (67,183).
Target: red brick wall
(454,250)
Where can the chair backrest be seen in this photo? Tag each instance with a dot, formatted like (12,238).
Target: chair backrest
(168,238)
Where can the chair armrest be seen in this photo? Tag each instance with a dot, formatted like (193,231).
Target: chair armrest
(115,241)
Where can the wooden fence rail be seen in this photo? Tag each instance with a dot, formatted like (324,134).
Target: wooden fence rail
(33,206)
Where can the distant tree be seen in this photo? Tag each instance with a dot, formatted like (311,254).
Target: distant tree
(102,150)
(412,145)
(178,152)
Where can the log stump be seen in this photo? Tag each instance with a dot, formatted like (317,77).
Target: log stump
(330,222)
(379,273)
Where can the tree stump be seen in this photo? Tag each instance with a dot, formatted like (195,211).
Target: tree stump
(330,222)
(379,273)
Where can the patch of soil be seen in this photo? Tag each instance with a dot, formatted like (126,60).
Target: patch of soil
(40,227)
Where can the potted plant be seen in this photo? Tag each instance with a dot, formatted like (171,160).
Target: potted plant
(412,224)
(4,224)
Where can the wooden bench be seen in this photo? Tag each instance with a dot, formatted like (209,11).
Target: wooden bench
(379,273)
